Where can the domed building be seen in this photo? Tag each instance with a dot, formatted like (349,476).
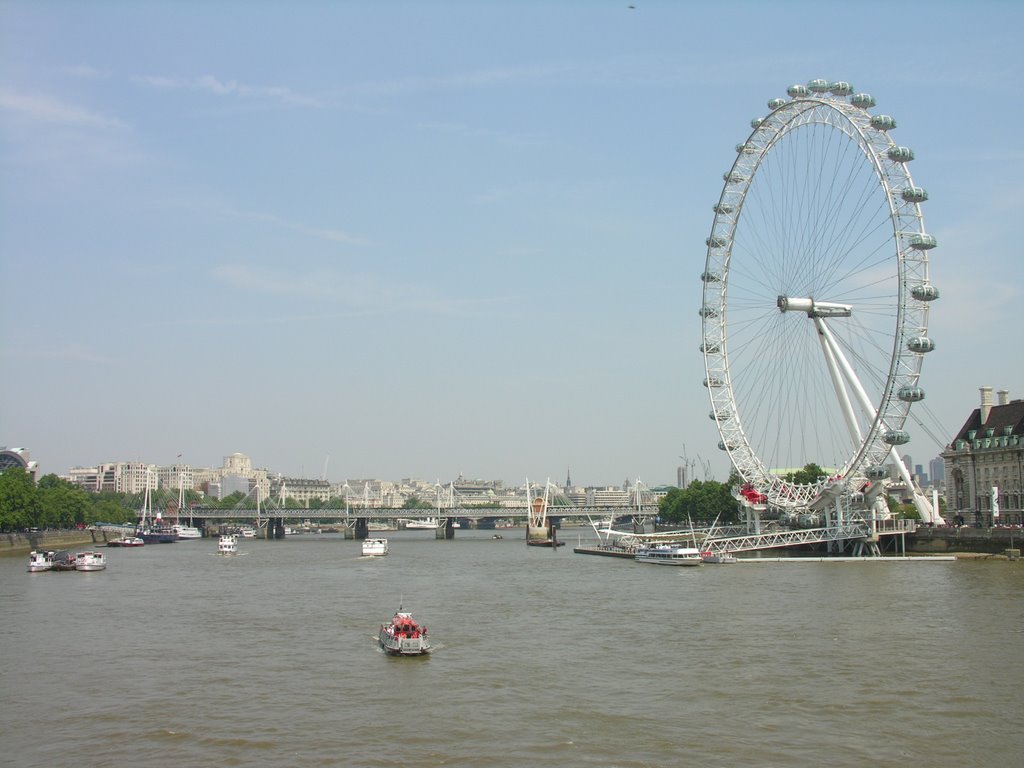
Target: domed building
(17,457)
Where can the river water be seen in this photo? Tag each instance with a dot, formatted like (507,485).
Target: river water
(175,656)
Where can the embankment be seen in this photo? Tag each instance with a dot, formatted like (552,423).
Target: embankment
(23,543)
(994,541)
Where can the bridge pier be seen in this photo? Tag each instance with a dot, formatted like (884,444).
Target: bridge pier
(445,528)
(275,528)
(362,528)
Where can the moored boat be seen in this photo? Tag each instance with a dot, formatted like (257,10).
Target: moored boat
(186,532)
(404,636)
(227,544)
(157,534)
(63,561)
(40,560)
(127,541)
(668,554)
(375,547)
(90,561)
(711,557)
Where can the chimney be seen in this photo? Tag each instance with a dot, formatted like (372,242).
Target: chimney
(1004,396)
(986,403)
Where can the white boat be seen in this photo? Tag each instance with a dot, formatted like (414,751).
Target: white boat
(186,532)
(40,560)
(127,541)
(375,547)
(668,554)
(227,545)
(427,524)
(90,561)
(403,636)
(247,533)
(711,557)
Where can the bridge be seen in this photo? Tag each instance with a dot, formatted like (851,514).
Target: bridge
(864,535)
(357,519)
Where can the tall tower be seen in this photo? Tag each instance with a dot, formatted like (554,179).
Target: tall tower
(568,479)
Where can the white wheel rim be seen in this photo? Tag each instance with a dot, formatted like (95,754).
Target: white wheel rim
(813,207)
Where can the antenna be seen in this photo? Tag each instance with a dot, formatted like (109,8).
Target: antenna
(325,467)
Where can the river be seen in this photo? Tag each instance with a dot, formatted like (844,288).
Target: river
(176,656)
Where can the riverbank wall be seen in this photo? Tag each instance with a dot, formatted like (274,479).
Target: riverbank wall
(993,541)
(23,543)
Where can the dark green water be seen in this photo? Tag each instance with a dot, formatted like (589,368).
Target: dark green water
(175,656)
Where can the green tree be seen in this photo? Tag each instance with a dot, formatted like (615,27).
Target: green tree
(19,500)
(811,473)
(701,501)
(64,504)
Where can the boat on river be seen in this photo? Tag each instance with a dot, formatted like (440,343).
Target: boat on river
(227,544)
(404,636)
(186,532)
(127,541)
(63,561)
(712,557)
(427,524)
(668,554)
(40,560)
(375,547)
(90,561)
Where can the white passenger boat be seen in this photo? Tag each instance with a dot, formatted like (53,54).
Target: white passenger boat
(427,524)
(668,554)
(90,561)
(375,547)
(127,541)
(711,557)
(247,532)
(187,532)
(40,560)
(227,545)
(403,636)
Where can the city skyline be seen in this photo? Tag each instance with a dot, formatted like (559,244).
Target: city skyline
(436,239)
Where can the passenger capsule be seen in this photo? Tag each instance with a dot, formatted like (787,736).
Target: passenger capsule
(724,208)
(710,277)
(707,312)
(710,348)
(883,122)
(713,381)
(756,122)
(896,437)
(734,178)
(900,154)
(724,446)
(922,242)
(914,194)
(745,149)
(840,88)
(920,344)
(716,241)
(877,472)
(722,415)
(796,91)
(818,86)
(925,292)
(776,103)
(910,394)
(862,100)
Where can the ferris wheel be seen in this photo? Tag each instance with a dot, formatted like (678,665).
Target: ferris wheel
(816,296)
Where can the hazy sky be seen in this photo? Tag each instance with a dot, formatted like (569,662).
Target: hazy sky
(425,238)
